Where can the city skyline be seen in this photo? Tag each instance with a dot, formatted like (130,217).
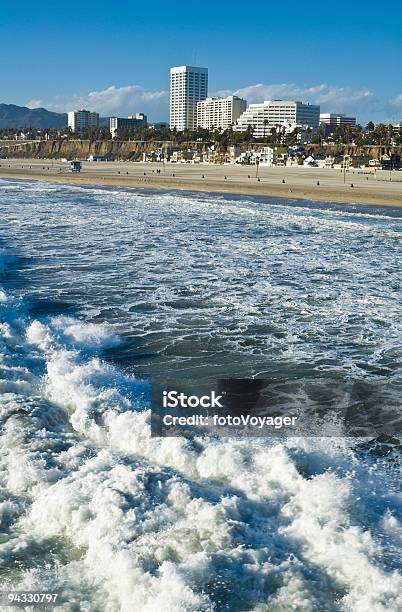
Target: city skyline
(127,100)
(118,62)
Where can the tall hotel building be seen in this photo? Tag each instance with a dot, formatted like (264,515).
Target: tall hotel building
(274,113)
(81,119)
(219,113)
(188,85)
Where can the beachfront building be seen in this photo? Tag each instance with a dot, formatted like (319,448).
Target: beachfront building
(219,113)
(80,119)
(188,85)
(266,156)
(262,117)
(121,123)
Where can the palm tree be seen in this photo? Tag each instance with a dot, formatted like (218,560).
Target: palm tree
(390,131)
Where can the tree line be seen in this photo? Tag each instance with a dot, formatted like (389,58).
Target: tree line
(372,134)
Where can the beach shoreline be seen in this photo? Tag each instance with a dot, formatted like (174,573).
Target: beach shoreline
(326,185)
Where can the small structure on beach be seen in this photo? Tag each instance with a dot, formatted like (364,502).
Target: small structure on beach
(75,166)
(97,158)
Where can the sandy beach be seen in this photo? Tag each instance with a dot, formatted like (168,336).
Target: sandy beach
(383,189)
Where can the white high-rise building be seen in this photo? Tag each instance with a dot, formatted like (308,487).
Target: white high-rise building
(219,113)
(277,113)
(188,85)
(81,119)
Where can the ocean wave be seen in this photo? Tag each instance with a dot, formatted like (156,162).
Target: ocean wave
(117,520)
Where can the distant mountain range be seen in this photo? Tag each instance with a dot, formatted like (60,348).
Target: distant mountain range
(13,116)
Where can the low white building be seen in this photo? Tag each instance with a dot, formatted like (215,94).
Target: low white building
(310,161)
(121,123)
(219,113)
(262,117)
(336,119)
(81,119)
(266,156)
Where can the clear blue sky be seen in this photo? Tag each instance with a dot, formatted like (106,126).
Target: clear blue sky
(345,55)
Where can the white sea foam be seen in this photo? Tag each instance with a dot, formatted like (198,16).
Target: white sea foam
(147,524)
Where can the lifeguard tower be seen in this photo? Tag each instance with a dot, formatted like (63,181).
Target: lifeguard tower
(75,166)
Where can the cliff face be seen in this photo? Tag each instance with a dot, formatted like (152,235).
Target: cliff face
(133,150)
(80,149)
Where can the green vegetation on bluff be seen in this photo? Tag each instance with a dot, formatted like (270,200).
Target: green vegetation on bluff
(370,135)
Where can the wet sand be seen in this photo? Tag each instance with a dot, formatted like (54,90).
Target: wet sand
(293,182)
